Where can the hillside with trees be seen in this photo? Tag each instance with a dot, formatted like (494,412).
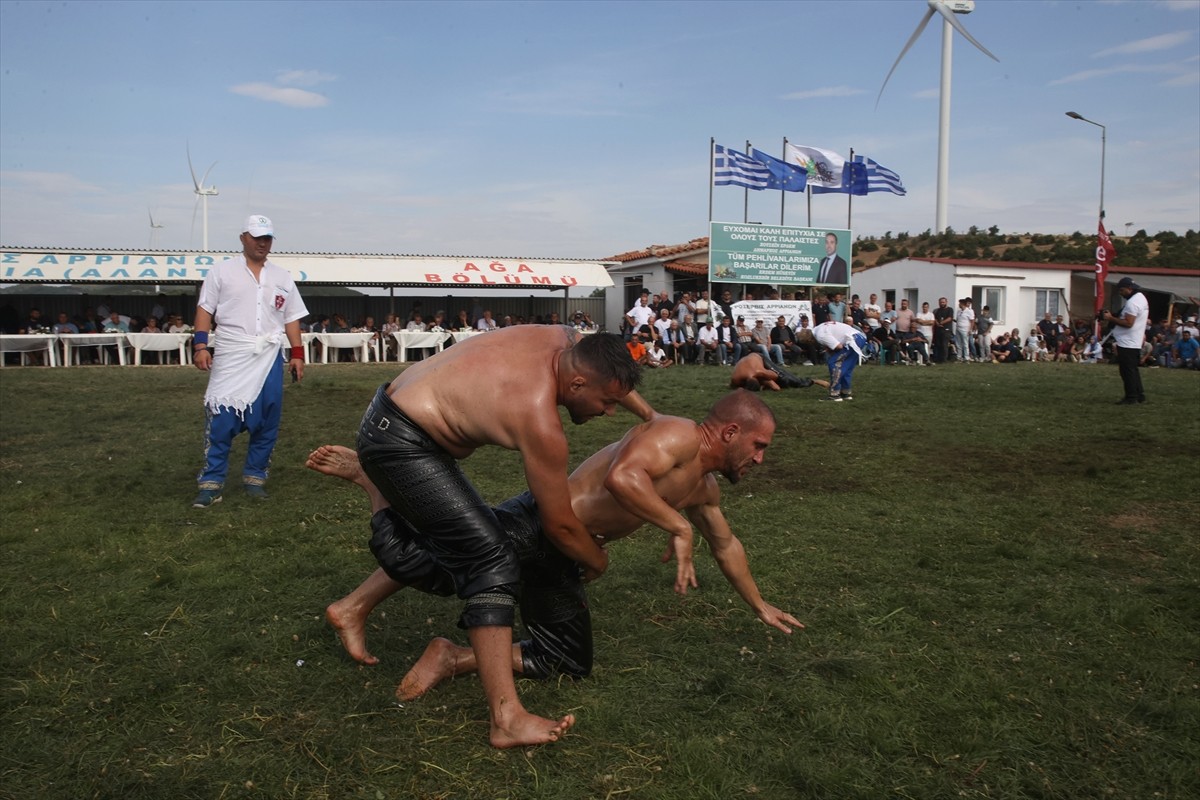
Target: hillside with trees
(1166,250)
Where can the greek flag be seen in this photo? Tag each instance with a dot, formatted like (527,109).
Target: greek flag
(731,168)
(784,176)
(880,178)
(863,176)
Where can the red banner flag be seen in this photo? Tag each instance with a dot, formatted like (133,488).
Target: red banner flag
(1104,257)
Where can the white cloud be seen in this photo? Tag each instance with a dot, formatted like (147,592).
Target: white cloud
(1152,44)
(295,98)
(303,77)
(826,91)
(1175,70)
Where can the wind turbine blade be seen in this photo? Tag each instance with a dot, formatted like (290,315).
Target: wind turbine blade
(204,180)
(191,169)
(916,34)
(948,15)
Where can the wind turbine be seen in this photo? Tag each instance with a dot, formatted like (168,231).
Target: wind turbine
(202,194)
(154,228)
(947,8)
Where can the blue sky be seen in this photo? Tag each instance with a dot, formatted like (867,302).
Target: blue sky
(576,129)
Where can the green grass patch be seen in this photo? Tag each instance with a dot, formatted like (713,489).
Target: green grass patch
(998,569)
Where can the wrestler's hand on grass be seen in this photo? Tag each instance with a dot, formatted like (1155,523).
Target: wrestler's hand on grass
(685,569)
(778,619)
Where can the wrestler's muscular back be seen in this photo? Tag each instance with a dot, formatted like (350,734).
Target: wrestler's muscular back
(486,389)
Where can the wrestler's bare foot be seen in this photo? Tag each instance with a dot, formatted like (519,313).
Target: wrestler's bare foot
(338,461)
(351,629)
(438,662)
(525,729)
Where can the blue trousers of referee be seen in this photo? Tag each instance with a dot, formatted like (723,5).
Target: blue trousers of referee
(841,367)
(261,419)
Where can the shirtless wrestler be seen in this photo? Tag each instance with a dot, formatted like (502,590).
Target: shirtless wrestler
(754,373)
(501,389)
(676,456)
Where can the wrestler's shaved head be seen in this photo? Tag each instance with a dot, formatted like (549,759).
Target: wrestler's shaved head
(604,357)
(742,407)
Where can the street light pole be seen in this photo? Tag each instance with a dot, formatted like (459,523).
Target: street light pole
(1103,147)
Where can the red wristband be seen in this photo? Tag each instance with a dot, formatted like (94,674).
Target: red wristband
(298,352)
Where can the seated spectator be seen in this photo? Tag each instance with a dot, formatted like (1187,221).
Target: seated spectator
(707,341)
(886,341)
(64,324)
(486,323)
(90,323)
(151,326)
(391,324)
(784,338)
(637,347)
(662,324)
(760,342)
(1062,344)
(338,324)
(116,323)
(1092,354)
(34,324)
(415,324)
(1187,351)
(462,322)
(729,347)
(1004,351)
(916,346)
(744,338)
(1078,347)
(807,342)
(674,344)
(1164,348)
(656,356)
(691,348)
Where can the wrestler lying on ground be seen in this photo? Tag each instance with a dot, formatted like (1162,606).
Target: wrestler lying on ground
(755,373)
(608,494)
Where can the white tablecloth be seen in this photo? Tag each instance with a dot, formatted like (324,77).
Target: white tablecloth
(460,335)
(418,339)
(70,341)
(362,341)
(159,342)
(29,343)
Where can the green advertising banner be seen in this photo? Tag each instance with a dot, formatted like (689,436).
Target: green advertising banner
(739,252)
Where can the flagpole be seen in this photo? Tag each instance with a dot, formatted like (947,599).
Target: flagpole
(850,195)
(782,195)
(712,143)
(746,194)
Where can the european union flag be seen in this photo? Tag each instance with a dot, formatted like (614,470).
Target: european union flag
(784,176)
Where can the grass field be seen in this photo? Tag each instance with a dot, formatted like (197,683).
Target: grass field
(998,569)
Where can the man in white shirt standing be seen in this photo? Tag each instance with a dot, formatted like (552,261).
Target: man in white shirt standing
(1129,332)
(258,308)
(843,352)
(642,312)
(964,326)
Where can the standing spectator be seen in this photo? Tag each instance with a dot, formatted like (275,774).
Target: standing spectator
(258,307)
(703,312)
(820,308)
(943,325)
(872,313)
(925,323)
(905,318)
(1130,334)
(685,307)
(724,308)
(983,332)
(964,325)
(837,307)
(889,316)
(641,315)
(843,351)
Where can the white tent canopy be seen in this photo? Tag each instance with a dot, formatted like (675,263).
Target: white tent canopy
(70,266)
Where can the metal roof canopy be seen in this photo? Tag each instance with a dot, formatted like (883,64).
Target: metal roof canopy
(79,266)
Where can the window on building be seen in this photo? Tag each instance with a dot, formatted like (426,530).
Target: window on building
(992,297)
(1047,300)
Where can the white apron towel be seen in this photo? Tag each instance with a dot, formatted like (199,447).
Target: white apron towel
(241,369)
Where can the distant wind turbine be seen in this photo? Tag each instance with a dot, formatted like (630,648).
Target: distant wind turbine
(947,8)
(202,194)
(155,227)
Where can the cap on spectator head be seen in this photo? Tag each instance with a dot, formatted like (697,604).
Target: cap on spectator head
(1127,283)
(258,225)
